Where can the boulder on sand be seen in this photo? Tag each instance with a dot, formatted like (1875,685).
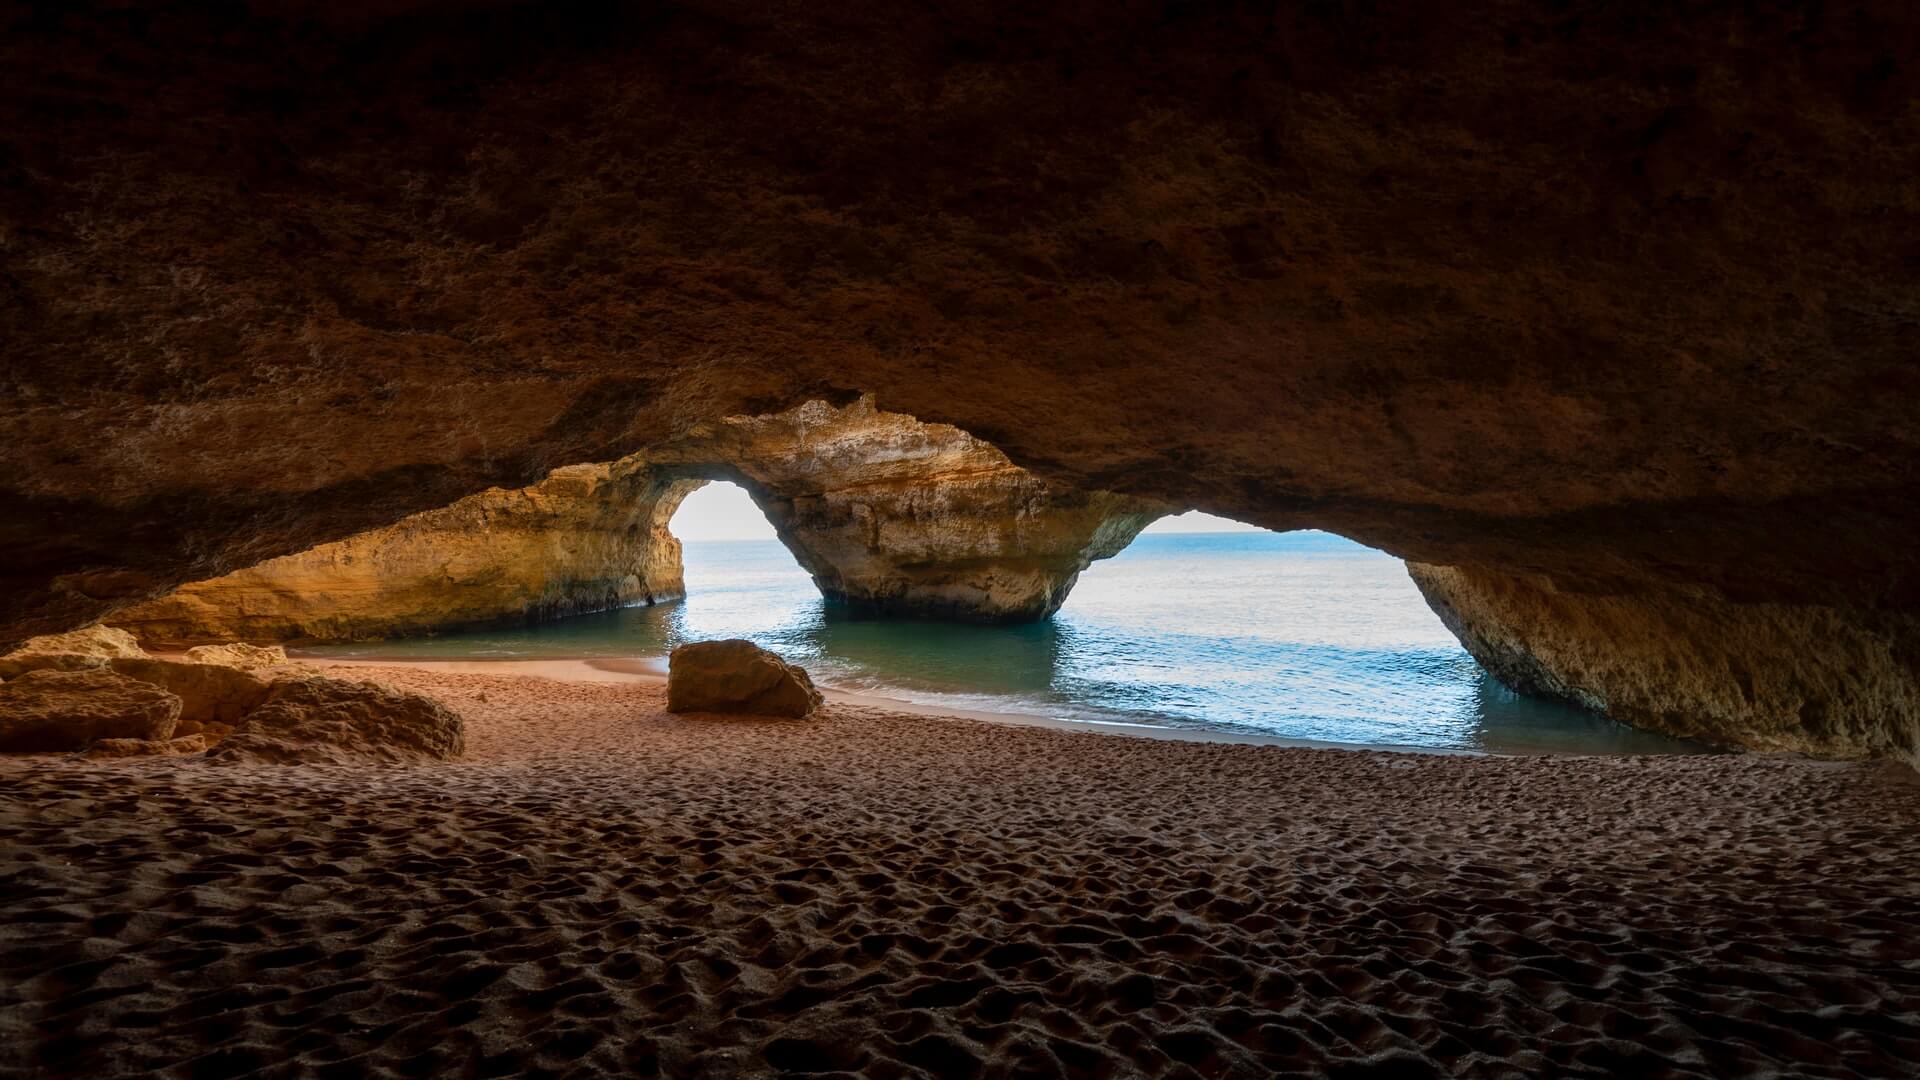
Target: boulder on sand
(737,676)
(317,719)
(209,693)
(50,709)
(87,647)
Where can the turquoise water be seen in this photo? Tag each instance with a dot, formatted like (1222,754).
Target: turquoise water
(1299,635)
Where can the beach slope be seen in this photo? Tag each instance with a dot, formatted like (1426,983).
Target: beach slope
(600,886)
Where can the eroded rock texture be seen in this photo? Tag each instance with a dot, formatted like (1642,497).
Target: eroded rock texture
(102,749)
(210,693)
(898,517)
(96,690)
(239,654)
(737,676)
(887,514)
(87,647)
(55,709)
(1766,676)
(1615,294)
(587,538)
(317,720)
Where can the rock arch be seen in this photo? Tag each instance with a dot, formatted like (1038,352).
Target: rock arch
(587,538)
(889,515)
(898,517)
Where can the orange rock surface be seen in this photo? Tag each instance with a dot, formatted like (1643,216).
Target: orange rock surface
(887,513)
(737,676)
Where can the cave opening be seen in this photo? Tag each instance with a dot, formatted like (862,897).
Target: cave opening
(740,579)
(1208,622)
(1199,622)
(917,563)
(720,510)
(340,336)
(914,559)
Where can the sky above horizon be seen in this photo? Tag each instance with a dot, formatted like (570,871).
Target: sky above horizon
(722,511)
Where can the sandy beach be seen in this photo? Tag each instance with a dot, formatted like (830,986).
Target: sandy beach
(602,887)
(653,669)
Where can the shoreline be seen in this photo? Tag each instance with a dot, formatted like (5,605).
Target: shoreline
(654,670)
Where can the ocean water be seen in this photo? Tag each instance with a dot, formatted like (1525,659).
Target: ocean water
(1300,635)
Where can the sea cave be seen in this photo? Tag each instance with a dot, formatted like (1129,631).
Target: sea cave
(330,325)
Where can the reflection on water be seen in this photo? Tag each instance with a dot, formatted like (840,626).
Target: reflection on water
(1300,635)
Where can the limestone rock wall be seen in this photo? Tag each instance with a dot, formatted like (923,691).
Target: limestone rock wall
(893,516)
(887,514)
(1755,675)
(994,547)
(587,538)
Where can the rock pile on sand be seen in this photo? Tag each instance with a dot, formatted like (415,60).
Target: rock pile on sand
(213,697)
(96,691)
(54,709)
(316,719)
(737,676)
(88,647)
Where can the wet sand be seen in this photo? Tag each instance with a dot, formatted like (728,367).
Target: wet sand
(654,670)
(603,887)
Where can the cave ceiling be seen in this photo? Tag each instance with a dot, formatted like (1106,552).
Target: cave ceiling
(1623,296)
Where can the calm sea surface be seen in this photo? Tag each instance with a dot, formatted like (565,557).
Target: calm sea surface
(1301,635)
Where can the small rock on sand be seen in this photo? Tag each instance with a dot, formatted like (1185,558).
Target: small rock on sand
(737,676)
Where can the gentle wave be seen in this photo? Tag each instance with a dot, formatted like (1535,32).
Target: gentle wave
(1299,635)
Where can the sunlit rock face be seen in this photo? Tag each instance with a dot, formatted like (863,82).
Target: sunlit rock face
(1795,677)
(587,538)
(998,546)
(737,676)
(887,513)
(893,516)
(1620,301)
(87,647)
